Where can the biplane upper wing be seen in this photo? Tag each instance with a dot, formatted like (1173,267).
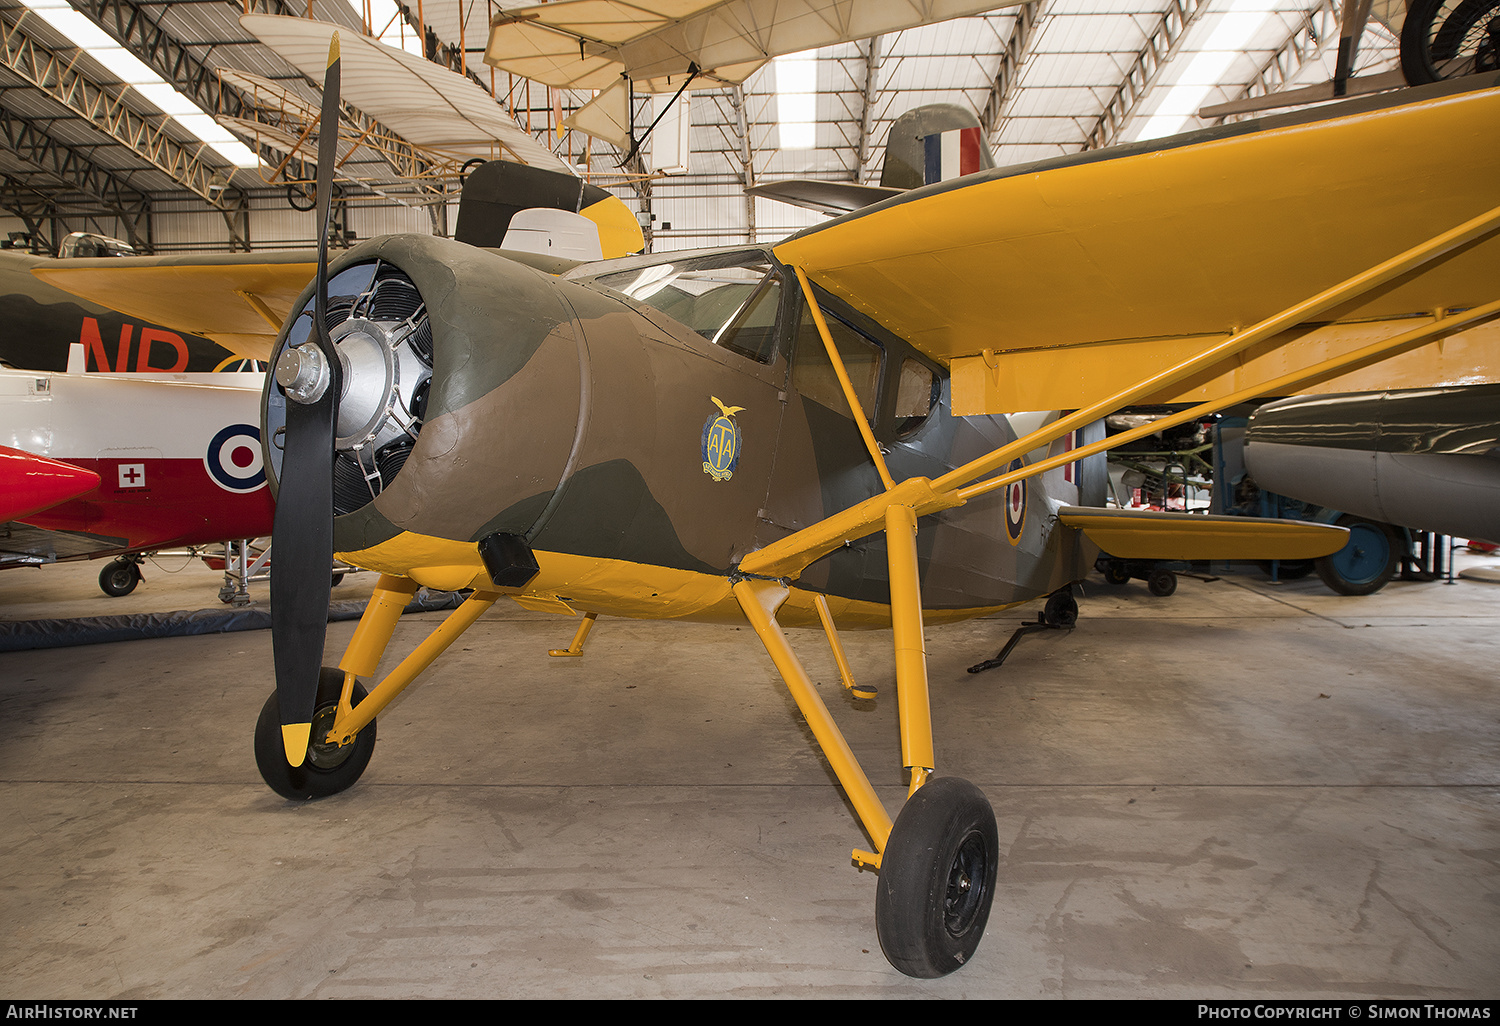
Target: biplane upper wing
(239,300)
(1049,285)
(589,44)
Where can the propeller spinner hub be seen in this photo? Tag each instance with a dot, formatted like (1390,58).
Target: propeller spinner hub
(303,372)
(371,379)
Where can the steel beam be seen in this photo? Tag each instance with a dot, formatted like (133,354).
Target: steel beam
(1008,75)
(1160,47)
(71,168)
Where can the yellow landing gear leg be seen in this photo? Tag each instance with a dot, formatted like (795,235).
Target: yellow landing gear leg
(760,600)
(846,675)
(576,649)
(346,726)
(938,869)
(374,631)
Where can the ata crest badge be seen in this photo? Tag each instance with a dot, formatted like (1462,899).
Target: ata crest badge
(721,442)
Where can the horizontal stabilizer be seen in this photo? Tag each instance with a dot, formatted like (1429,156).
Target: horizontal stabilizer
(1152,534)
(825,197)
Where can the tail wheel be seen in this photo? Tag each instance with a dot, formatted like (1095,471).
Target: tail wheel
(1061,609)
(327,769)
(1444,39)
(1367,561)
(937,879)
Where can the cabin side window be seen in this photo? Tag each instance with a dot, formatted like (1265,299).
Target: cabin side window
(814,377)
(897,389)
(914,396)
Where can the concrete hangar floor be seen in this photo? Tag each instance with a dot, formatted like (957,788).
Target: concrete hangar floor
(1242,790)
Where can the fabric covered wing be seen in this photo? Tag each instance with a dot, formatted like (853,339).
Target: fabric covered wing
(1043,284)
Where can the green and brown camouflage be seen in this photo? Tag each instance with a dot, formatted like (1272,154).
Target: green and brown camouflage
(670,431)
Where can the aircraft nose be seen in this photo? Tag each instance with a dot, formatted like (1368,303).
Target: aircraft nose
(380,329)
(461,375)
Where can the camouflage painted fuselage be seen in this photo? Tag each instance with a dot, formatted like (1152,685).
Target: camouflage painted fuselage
(642,461)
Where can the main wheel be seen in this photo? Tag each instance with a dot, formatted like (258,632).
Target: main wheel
(937,878)
(327,769)
(119,577)
(1367,561)
(1117,571)
(1161,583)
(1443,39)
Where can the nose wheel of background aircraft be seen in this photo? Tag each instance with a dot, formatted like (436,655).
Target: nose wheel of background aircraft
(937,878)
(328,769)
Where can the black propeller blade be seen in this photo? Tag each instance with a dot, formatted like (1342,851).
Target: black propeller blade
(302,533)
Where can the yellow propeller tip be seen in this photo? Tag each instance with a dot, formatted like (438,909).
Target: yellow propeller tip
(295,737)
(333,50)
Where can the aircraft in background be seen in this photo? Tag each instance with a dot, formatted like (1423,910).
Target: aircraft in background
(926,145)
(1424,459)
(42,322)
(127,464)
(754,435)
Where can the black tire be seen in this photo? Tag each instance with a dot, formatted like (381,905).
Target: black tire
(1366,563)
(1061,609)
(1117,571)
(1443,39)
(937,879)
(119,578)
(296,196)
(327,770)
(1162,583)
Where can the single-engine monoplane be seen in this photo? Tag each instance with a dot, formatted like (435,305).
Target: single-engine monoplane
(833,429)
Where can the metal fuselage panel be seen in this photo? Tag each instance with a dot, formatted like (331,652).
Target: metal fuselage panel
(1428,459)
(594,427)
(178,457)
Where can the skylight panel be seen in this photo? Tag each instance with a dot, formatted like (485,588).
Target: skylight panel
(1204,68)
(155,90)
(797,100)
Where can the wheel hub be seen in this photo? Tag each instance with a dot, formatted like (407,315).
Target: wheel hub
(965,893)
(325,754)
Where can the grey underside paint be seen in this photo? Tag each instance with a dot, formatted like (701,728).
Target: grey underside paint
(1450,494)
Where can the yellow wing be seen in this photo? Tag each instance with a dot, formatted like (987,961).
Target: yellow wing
(1273,257)
(238,300)
(1046,286)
